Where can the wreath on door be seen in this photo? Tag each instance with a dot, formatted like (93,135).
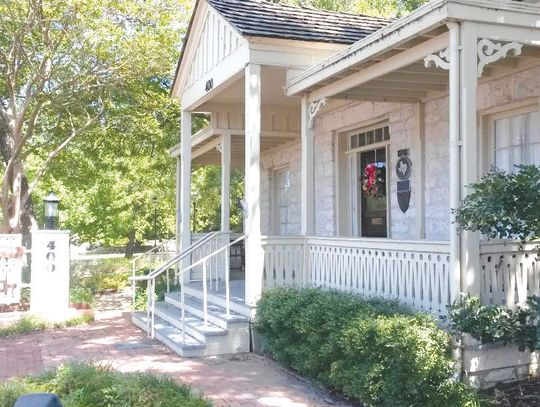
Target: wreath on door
(372,181)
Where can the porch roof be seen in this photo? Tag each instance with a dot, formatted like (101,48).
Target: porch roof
(257,18)
(388,64)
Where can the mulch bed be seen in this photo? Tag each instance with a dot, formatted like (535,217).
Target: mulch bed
(519,394)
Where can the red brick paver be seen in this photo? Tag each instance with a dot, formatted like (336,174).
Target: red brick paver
(234,380)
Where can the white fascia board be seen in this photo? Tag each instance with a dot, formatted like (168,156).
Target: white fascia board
(424,18)
(494,12)
(193,40)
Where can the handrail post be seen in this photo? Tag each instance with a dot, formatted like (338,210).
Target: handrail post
(148,296)
(153,308)
(133,287)
(168,284)
(205,295)
(183,310)
(227,282)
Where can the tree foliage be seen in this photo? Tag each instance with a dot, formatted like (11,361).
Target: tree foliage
(504,205)
(381,8)
(63,64)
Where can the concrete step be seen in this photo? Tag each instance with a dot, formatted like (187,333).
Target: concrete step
(170,336)
(216,315)
(193,324)
(236,304)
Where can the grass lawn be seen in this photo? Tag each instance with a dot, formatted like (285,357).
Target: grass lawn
(82,384)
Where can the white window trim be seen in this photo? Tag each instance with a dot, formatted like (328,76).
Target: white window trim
(275,198)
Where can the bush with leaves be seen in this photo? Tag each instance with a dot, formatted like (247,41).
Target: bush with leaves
(497,323)
(375,351)
(83,384)
(504,205)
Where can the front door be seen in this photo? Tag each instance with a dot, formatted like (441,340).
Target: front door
(372,192)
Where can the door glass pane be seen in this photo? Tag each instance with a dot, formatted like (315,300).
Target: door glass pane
(534,127)
(373,192)
(502,133)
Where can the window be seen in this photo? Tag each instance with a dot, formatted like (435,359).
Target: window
(516,139)
(282,200)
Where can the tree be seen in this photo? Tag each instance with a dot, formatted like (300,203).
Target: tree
(61,64)
(110,179)
(380,8)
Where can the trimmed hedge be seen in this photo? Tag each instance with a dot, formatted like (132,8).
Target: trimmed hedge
(375,351)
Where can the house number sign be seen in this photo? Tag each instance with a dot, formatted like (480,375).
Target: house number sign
(50,273)
(403,172)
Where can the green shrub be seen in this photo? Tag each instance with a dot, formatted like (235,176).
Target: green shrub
(31,324)
(497,323)
(85,385)
(375,351)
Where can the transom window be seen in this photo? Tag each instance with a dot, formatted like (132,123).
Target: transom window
(516,139)
(282,201)
(369,137)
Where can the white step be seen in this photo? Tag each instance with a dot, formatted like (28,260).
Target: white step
(236,305)
(216,314)
(170,336)
(193,324)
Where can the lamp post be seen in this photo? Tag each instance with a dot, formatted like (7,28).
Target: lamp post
(50,204)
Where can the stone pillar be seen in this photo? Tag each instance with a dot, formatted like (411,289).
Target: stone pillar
(49,294)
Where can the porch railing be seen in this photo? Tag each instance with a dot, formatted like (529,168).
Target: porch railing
(509,275)
(414,272)
(153,275)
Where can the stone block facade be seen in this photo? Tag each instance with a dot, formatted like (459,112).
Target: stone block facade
(421,128)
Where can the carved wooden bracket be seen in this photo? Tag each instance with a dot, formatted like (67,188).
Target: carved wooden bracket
(489,52)
(314,108)
(440,60)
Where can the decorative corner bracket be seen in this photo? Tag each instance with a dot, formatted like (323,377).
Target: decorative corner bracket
(489,52)
(219,148)
(314,108)
(440,60)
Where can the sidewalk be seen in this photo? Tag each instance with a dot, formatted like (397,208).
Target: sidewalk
(232,380)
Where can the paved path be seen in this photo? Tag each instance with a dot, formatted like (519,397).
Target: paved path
(234,380)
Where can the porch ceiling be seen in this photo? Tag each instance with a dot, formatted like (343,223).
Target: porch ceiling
(208,151)
(415,82)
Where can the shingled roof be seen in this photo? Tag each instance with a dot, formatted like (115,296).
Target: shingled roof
(259,18)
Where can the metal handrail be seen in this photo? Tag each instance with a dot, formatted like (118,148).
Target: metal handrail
(157,272)
(151,279)
(203,261)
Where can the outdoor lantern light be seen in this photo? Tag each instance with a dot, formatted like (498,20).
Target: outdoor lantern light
(50,204)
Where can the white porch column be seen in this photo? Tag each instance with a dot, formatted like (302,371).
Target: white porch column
(308,183)
(254,252)
(185,193)
(225,183)
(178,204)
(470,241)
(454,157)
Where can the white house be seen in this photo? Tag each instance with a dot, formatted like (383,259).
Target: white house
(358,136)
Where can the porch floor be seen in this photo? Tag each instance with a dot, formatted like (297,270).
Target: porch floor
(237,287)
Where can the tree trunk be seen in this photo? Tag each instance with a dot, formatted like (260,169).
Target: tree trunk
(130,248)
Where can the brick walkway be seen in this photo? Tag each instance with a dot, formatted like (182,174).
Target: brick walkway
(237,380)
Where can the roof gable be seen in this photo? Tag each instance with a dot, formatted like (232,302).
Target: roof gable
(209,41)
(265,19)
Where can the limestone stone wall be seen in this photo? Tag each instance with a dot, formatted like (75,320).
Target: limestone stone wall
(404,123)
